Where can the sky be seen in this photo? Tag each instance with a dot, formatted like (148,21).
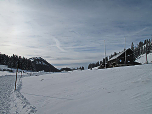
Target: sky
(71,33)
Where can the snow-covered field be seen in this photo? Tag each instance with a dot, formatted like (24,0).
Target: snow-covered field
(123,90)
(7,80)
(5,73)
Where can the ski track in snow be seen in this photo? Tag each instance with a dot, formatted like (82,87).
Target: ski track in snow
(20,105)
(6,87)
(13,102)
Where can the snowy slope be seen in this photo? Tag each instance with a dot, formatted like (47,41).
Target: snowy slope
(142,58)
(123,90)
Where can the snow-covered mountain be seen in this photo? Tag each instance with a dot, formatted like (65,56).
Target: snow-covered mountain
(41,64)
(121,90)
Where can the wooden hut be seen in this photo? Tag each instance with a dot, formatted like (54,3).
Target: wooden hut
(123,58)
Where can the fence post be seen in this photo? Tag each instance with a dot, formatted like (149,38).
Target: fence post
(16,75)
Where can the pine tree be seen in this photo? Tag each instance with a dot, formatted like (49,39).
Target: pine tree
(82,68)
(132,46)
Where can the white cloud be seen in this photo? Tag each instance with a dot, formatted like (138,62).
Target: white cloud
(58,45)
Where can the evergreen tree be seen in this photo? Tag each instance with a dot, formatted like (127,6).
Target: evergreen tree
(82,68)
(132,46)
(145,42)
(97,64)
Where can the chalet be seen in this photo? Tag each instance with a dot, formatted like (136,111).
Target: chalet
(121,60)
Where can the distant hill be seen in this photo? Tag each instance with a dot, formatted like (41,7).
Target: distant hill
(32,64)
(40,64)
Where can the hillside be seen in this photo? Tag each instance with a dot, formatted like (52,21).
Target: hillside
(32,64)
(142,58)
(41,64)
(121,90)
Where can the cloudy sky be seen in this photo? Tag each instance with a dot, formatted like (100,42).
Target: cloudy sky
(72,32)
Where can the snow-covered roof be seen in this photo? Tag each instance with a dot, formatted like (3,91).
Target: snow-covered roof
(116,56)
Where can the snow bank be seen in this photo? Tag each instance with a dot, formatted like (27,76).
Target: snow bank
(6,73)
(123,90)
(19,104)
(142,58)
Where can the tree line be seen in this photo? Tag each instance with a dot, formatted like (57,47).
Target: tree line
(142,48)
(71,69)
(16,61)
(31,64)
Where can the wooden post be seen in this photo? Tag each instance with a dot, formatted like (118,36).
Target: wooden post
(16,77)
(21,74)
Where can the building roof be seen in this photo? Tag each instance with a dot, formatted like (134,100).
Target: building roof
(119,54)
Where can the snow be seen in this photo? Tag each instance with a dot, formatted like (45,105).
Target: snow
(3,67)
(10,101)
(6,87)
(142,58)
(116,56)
(19,104)
(6,73)
(121,90)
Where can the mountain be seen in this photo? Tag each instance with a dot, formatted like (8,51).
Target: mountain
(40,64)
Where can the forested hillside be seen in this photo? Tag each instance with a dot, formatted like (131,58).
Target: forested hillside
(15,60)
(32,64)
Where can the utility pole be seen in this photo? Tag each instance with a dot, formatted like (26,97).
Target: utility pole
(125,51)
(151,39)
(146,54)
(105,53)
